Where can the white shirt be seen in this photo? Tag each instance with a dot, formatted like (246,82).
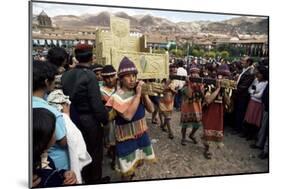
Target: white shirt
(181,72)
(78,154)
(256,95)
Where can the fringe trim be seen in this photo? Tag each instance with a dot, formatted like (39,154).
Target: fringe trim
(139,162)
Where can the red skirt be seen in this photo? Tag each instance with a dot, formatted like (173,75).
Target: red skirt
(213,122)
(254,113)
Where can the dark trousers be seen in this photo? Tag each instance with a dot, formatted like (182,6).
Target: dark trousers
(264,132)
(93,135)
(177,100)
(240,111)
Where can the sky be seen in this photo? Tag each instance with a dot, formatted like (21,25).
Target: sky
(66,9)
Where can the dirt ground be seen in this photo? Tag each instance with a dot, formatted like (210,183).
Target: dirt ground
(175,160)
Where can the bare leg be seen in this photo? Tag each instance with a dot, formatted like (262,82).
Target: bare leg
(171,135)
(163,122)
(155,116)
(192,137)
(207,153)
(183,133)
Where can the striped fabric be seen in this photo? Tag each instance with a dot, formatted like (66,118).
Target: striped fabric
(121,100)
(191,112)
(191,108)
(106,92)
(108,74)
(131,130)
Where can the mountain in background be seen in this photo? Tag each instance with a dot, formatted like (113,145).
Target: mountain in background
(149,23)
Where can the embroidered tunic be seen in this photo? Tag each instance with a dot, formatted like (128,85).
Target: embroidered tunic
(133,143)
(213,117)
(191,108)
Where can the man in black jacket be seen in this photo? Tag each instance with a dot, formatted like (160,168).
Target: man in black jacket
(87,110)
(244,81)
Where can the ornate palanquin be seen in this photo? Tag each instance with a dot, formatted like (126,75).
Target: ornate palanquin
(113,45)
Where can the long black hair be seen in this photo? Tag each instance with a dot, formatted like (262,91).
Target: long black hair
(43,129)
(264,71)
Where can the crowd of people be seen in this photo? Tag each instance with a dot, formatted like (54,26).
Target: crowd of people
(81,108)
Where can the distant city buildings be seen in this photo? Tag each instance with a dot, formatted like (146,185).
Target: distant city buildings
(45,33)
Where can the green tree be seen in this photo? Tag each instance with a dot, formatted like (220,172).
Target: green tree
(224,54)
(195,52)
(201,52)
(177,52)
(159,51)
(210,54)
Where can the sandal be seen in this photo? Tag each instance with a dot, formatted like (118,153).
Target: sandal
(183,142)
(193,139)
(208,155)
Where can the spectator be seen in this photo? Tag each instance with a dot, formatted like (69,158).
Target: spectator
(242,97)
(87,110)
(43,82)
(78,155)
(44,124)
(254,112)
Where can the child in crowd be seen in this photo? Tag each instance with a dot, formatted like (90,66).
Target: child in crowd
(166,104)
(213,113)
(43,138)
(108,88)
(191,108)
(133,145)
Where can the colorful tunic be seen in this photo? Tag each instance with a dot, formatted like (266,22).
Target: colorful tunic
(166,103)
(106,92)
(109,129)
(133,143)
(191,108)
(213,117)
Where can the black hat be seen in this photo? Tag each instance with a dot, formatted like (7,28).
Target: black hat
(108,70)
(96,67)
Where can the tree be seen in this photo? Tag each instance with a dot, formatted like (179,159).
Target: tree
(177,52)
(195,52)
(224,54)
(210,54)
(201,52)
(159,51)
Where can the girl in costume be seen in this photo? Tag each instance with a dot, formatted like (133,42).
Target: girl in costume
(213,113)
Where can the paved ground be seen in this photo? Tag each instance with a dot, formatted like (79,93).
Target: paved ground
(175,160)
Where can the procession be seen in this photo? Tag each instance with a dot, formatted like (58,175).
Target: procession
(119,111)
